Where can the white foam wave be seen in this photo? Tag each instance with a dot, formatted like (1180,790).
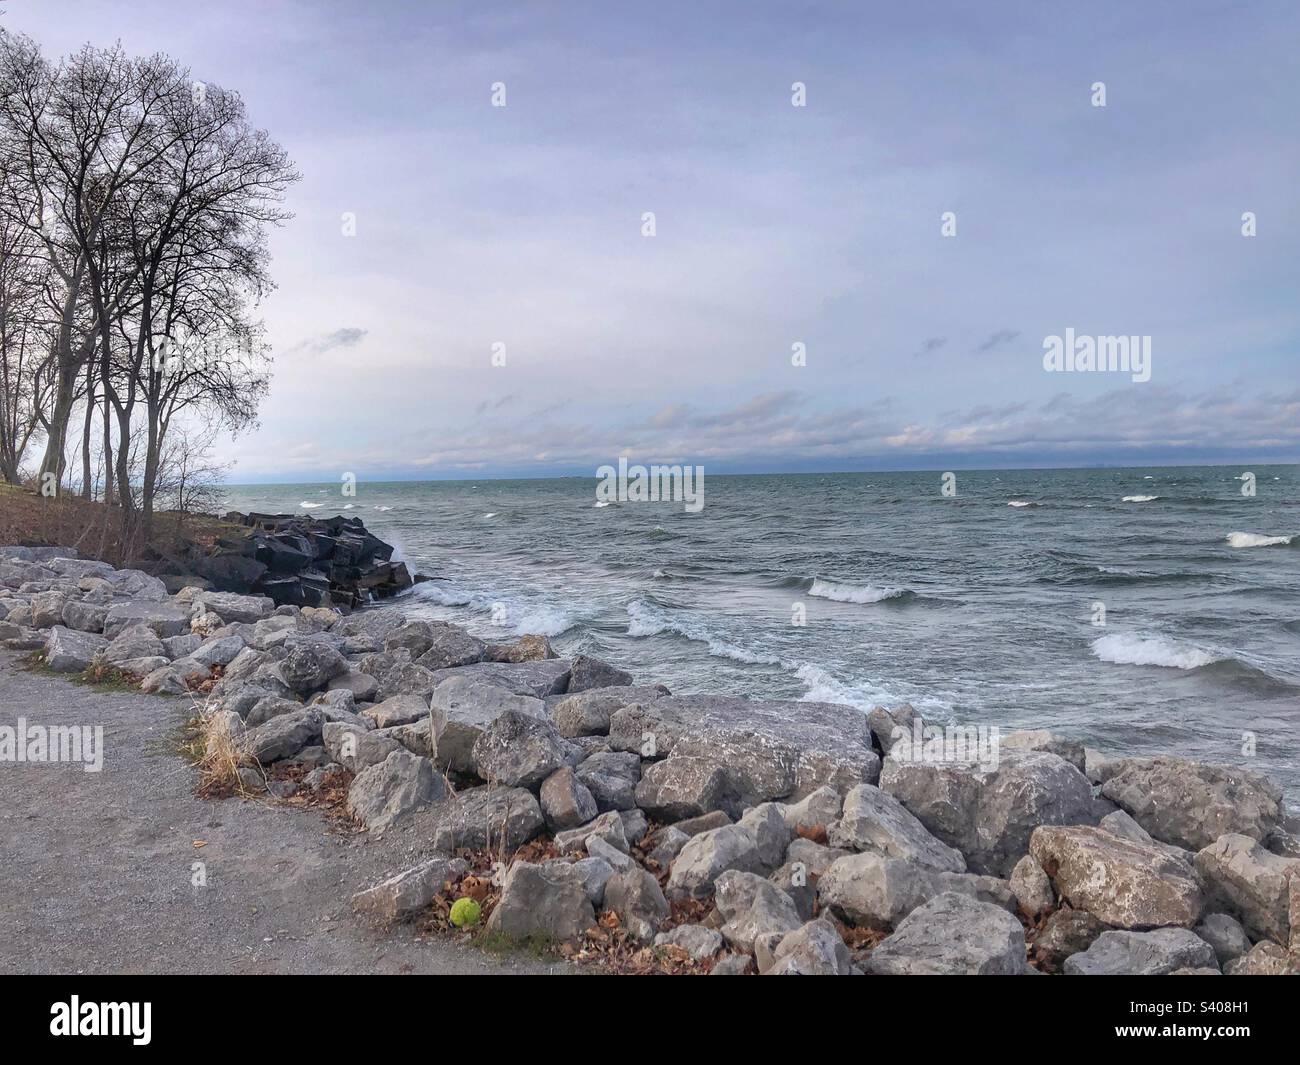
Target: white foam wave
(1021,503)
(1245,539)
(1139,499)
(378,507)
(647,621)
(852,593)
(309,506)
(1140,649)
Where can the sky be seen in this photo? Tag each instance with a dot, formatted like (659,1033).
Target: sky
(520,229)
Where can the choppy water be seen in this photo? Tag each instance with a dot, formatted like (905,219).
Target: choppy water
(979,608)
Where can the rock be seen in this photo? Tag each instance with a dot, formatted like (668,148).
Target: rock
(538,680)
(873,891)
(1032,887)
(816,949)
(1121,882)
(682,787)
(820,809)
(1192,804)
(611,777)
(231,607)
(772,834)
(956,935)
(356,748)
(693,826)
(668,843)
(814,857)
(1097,767)
(634,894)
(220,651)
(162,681)
(767,749)
(84,617)
(989,816)
(1043,740)
(363,686)
(283,737)
(518,750)
(452,647)
(587,712)
(137,642)
(528,648)
(190,672)
(565,801)
(887,725)
(184,646)
(397,710)
(164,619)
(610,855)
(396,674)
(1258,887)
(380,795)
(1064,933)
(271,706)
(876,821)
(587,673)
(415,737)
(699,942)
(415,636)
(545,902)
(47,609)
(69,651)
(309,664)
(1264,959)
(488,818)
(707,856)
(409,891)
(1141,954)
(731,965)
(595,873)
(608,826)
(752,906)
(635,824)
(1225,935)
(470,705)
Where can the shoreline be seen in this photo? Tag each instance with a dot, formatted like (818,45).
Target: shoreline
(658,832)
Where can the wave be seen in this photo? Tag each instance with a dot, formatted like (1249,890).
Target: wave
(490,514)
(1138,649)
(1245,539)
(381,508)
(648,620)
(309,506)
(1139,499)
(853,593)
(1023,503)
(602,503)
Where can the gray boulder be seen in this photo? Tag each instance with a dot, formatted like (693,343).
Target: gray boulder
(164,619)
(990,815)
(410,891)
(587,713)
(816,949)
(682,787)
(636,897)
(874,820)
(397,710)
(381,795)
(356,748)
(542,902)
(611,777)
(69,651)
(751,907)
(699,942)
(710,854)
(1264,959)
(519,750)
(282,737)
(132,643)
(1258,887)
(873,891)
(607,827)
(83,616)
(566,802)
(47,609)
(587,673)
(230,607)
(488,818)
(1032,887)
(309,664)
(470,705)
(1141,954)
(218,651)
(1123,883)
(1192,804)
(1065,933)
(953,935)
(1225,935)
(451,647)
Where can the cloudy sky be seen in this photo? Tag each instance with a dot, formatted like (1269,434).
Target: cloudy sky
(775,225)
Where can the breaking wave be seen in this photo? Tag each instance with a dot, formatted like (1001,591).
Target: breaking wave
(1245,539)
(1137,649)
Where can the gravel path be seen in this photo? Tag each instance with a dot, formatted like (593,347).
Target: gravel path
(96,868)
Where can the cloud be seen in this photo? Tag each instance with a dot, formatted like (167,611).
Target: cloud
(929,346)
(1002,336)
(347,337)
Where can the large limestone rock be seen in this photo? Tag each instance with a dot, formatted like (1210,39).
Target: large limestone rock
(989,816)
(83,616)
(751,907)
(1142,954)
(451,646)
(470,705)
(587,713)
(165,619)
(1225,935)
(542,902)
(519,750)
(816,949)
(1122,882)
(873,891)
(1065,933)
(1032,887)
(954,935)
(311,663)
(1258,887)
(282,737)
(47,608)
(397,710)
(682,787)
(587,673)
(232,608)
(354,747)
(874,820)
(710,854)
(566,802)
(133,643)
(410,891)
(488,818)
(611,777)
(634,894)
(1265,959)
(218,651)
(538,679)
(768,749)
(1192,804)
(69,651)
(382,794)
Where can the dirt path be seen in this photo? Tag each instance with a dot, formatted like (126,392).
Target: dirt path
(96,868)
